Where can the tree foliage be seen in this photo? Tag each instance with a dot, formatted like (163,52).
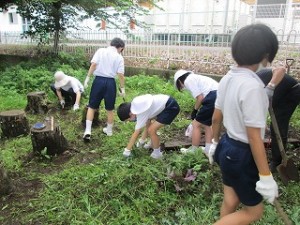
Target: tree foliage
(52,17)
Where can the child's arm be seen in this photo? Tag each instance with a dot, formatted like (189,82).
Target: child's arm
(258,150)
(133,139)
(197,105)
(266,184)
(217,120)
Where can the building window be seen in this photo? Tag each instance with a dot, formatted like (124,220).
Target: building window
(26,24)
(13,18)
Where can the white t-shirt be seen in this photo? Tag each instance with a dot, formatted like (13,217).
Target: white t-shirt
(243,101)
(109,62)
(75,84)
(199,84)
(158,105)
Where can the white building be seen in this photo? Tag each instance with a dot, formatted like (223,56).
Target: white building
(12,22)
(209,17)
(224,16)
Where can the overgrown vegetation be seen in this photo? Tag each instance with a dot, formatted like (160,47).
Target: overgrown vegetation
(92,183)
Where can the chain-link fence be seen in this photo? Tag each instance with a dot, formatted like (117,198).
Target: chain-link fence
(178,48)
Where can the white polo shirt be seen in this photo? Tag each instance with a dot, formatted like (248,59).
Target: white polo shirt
(199,84)
(243,101)
(75,84)
(158,105)
(109,62)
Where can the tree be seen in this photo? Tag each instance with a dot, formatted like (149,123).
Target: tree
(55,16)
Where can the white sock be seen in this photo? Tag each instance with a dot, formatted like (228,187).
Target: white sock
(156,150)
(88,126)
(207,146)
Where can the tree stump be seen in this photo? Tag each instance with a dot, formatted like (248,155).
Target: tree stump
(49,138)
(14,123)
(96,120)
(5,182)
(36,102)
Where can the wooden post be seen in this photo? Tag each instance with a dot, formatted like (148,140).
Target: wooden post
(14,123)
(36,103)
(96,120)
(49,137)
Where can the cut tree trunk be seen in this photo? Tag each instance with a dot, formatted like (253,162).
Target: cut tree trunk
(49,139)
(96,120)
(36,103)
(14,123)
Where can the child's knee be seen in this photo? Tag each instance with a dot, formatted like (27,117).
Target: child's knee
(255,212)
(151,130)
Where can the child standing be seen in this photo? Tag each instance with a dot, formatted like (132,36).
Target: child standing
(242,106)
(203,89)
(106,64)
(161,109)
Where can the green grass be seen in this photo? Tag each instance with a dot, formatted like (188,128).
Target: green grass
(98,186)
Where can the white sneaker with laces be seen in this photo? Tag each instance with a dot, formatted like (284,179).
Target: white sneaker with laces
(156,154)
(107,132)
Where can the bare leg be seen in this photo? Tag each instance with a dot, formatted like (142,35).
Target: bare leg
(110,116)
(208,134)
(229,215)
(196,136)
(153,128)
(90,114)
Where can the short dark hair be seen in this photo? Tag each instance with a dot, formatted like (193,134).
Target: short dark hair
(182,79)
(253,43)
(123,111)
(117,42)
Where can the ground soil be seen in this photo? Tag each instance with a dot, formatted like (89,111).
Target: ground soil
(25,189)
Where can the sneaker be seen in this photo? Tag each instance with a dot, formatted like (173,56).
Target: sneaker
(156,154)
(188,150)
(147,145)
(107,132)
(86,136)
(126,153)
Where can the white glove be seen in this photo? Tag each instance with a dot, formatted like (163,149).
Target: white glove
(86,81)
(122,93)
(62,103)
(126,152)
(269,91)
(75,107)
(267,187)
(189,131)
(140,143)
(211,151)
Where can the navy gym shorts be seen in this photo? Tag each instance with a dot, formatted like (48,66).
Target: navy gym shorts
(103,88)
(238,169)
(169,113)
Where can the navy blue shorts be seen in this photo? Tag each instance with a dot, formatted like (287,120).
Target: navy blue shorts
(169,113)
(204,114)
(238,169)
(103,88)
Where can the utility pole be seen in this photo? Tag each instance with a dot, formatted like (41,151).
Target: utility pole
(225,16)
